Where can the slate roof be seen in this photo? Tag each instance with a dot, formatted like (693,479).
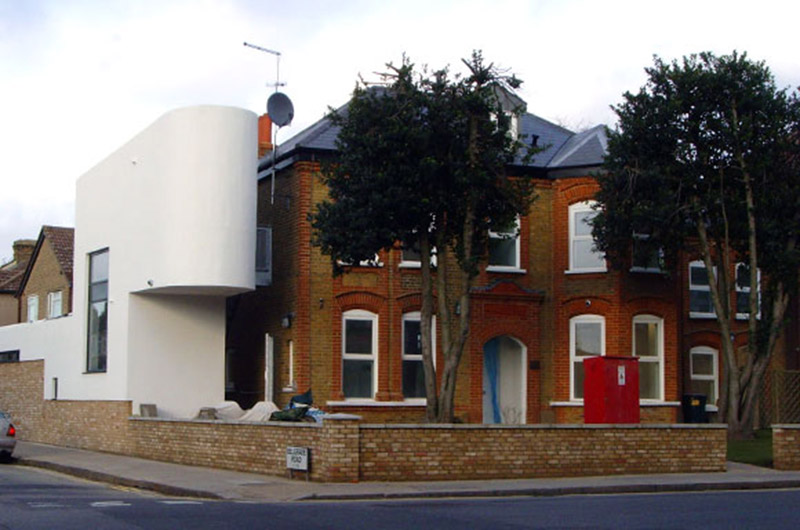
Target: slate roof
(562,148)
(10,278)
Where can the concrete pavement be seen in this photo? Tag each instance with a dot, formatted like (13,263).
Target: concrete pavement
(190,481)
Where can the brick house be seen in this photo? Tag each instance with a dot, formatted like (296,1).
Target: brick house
(10,276)
(45,289)
(544,302)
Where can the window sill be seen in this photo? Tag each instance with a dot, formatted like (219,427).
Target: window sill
(409,265)
(92,372)
(646,270)
(504,269)
(585,271)
(702,316)
(415,402)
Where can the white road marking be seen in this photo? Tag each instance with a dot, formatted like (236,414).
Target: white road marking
(109,504)
(46,505)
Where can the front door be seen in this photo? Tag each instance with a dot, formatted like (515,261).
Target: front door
(504,384)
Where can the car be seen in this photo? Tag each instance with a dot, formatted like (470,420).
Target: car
(8,436)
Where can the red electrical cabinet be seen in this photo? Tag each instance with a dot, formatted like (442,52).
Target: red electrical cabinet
(611,390)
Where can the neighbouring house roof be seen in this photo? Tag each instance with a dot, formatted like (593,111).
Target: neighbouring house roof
(561,148)
(11,277)
(62,241)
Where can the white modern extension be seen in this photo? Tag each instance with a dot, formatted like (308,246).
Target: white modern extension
(165,230)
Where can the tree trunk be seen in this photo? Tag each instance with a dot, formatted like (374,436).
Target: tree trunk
(426,331)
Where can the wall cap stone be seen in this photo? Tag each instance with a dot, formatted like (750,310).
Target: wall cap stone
(787,426)
(341,417)
(281,424)
(550,426)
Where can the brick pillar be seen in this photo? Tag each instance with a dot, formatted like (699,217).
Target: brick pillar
(339,461)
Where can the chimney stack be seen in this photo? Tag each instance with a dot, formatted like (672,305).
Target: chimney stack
(264,135)
(23,250)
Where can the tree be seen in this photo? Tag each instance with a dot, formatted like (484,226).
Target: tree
(422,161)
(704,159)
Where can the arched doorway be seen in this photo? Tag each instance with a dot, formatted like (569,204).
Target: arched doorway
(504,383)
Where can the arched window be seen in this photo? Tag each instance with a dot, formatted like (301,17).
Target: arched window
(359,354)
(648,346)
(587,338)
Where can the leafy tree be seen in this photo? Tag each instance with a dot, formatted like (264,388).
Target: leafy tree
(422,161)
(704,160)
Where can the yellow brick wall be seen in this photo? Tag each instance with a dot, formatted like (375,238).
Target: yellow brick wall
(786,447)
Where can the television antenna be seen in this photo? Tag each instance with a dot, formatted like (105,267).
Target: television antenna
(279,109)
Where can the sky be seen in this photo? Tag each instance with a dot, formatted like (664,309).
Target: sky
(78,79)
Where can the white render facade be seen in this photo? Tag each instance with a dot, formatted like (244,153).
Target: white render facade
(175,209)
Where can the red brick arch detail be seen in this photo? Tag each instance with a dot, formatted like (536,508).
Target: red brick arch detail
(368,301)
(577,306)
(412,302)
(580,190)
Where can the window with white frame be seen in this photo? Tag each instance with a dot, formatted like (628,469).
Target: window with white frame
(648,347)
(54,305)
(359,354)
(587,338)
(504,251)
(700,303)
(413,370)
(33,308)
(98,312)
(743,291)
(583,256)
(704,374)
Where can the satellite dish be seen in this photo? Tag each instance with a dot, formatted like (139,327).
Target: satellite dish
(280,109)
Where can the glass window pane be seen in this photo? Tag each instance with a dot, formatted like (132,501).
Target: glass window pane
(705,387)
(99,267)
(411,254)
(742,276)
(702,364)
(358,336)
(581,222)
(412,338)
(698,275)
(98,291)
(649,380)
(98,324)
(700,302)
(579,376)
(646,339)
(357,379)
(503,252)
(413,379)
(585,257)
(742,302)
(588,339)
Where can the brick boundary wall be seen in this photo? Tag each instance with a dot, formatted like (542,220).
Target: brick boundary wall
(345,450)
(456,452)
(786,447)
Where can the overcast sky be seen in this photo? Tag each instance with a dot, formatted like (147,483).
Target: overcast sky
(80,78)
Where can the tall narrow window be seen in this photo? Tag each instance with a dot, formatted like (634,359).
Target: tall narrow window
(359,354)
(54,305)
(504,253)
(583,256)
(704,374)
(743,291)
(413,371)
(587,339)
(97,348)
(264,255)
(700,303)
(33,308)
(648,346)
